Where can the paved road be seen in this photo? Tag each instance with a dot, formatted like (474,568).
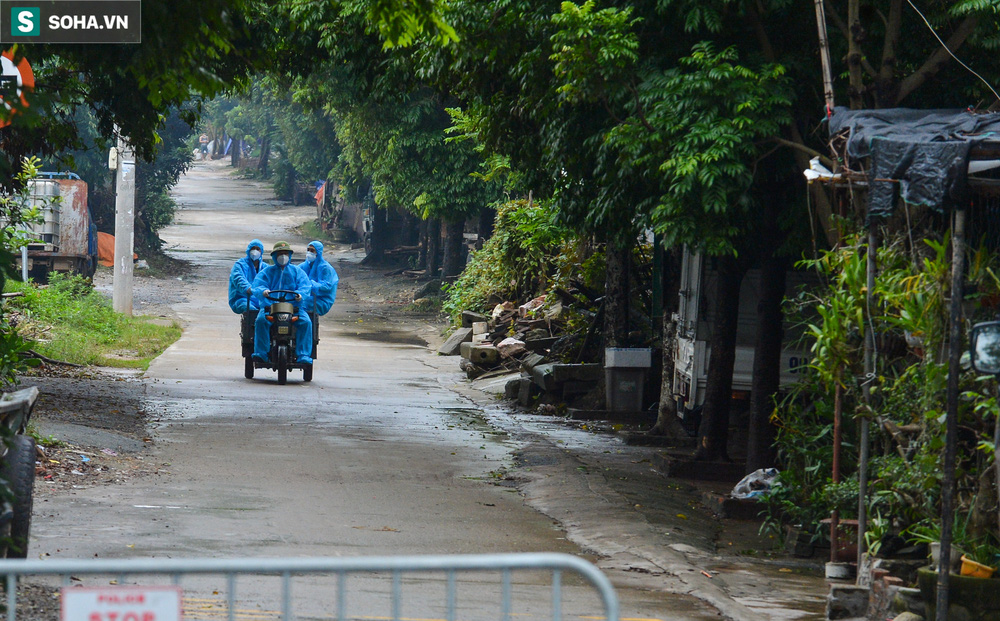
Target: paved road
(377,455)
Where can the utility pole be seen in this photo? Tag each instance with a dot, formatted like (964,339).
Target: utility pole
(121,296)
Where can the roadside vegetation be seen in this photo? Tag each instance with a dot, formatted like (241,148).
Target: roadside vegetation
(68,321)
(582,127)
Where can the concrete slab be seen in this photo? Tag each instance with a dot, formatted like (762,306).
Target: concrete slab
(452,347)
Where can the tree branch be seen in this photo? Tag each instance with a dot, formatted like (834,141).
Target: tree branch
(842,27)
(893,29)
(938,59)
(826,161)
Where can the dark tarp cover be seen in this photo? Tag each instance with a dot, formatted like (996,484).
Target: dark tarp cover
(927,151)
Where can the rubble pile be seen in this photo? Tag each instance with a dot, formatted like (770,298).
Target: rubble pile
(534,338)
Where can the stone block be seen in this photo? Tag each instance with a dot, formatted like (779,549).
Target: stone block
(512,388)
(469,318)
(905,599)
(453,346)
(480,327)
(541,346)
(541,374)
(846,601)
(527,391)
(531,361)
(484,355)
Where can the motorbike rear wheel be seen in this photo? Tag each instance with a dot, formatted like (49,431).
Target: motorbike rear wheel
(307,373)
(282,365)
(248,367)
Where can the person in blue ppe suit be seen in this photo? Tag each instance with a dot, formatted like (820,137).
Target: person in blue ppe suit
(282,275)
(324,280)
(241,298)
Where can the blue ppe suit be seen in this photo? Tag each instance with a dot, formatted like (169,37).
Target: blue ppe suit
(241,280)
(272,278)
(324,282)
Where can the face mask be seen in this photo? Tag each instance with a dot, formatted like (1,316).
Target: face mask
(310,256)
(255,254)
(282,259)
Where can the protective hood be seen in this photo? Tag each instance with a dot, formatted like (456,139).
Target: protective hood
(241,278)
(318,246)
(255,243)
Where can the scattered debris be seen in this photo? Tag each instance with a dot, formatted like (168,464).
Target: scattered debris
(757,483)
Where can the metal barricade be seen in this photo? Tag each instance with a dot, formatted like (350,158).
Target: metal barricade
(332,600)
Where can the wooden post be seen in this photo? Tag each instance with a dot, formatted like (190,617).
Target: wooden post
(824,56)
(838,408)
(951,415)
(866,395)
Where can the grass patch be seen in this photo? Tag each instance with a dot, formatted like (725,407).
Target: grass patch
(69,321)
(312,230)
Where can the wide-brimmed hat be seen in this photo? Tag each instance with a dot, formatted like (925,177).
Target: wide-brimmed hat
(282,247)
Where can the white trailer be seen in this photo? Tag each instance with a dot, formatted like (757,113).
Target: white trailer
(695,315)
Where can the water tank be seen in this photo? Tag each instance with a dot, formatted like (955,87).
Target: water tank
(43,194)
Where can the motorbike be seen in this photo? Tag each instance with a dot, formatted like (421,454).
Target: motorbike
(282,315)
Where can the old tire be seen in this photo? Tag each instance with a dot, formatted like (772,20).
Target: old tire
(282,365)
(248,367)
(19,471)
(307,373)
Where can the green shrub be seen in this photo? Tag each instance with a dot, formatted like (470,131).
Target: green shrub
(516,263)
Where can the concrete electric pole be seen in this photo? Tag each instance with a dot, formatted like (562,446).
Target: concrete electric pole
(121,296)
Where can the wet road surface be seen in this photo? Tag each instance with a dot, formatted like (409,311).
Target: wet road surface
(377,455)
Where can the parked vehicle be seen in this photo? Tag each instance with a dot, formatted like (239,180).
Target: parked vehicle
(17,471)
(694,320)
(66,241)
(282,315)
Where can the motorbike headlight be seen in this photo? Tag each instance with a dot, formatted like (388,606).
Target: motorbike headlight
(283,316)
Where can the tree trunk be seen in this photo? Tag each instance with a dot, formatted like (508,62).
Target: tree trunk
(265,154)
(433,246)
(616,295)
(234,153)
(667,422)
(766,364)
(487,218)
(713,433)
(855,89)
(422,257)
(453,238)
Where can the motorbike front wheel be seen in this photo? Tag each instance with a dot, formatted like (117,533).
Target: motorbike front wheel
(248,367)
(18,470)
(307,373)
(282,364)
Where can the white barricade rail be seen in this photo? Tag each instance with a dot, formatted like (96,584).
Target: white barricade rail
(400,588)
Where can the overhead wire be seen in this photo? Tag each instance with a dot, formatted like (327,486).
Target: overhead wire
(952,54)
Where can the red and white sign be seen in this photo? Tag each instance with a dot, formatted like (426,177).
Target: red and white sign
(19,73)
(121,603)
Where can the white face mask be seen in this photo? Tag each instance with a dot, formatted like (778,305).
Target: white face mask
(310,256)
(255,254)
(281,259)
